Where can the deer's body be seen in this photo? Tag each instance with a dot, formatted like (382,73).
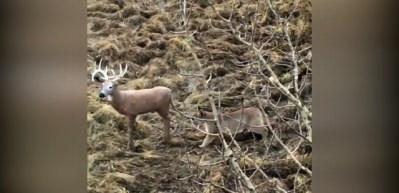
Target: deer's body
(251,120)
(135,102)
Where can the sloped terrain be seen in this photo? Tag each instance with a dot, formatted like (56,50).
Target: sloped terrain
(180,44)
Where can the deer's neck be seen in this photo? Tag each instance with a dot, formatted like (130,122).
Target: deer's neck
(117,99)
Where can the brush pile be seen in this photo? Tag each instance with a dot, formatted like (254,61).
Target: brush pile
(180,44)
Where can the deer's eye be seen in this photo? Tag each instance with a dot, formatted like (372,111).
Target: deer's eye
(110,87)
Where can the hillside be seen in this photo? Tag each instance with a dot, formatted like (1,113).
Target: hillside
(237,45)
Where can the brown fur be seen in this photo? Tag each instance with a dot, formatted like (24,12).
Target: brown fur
(135,102)
(251,120)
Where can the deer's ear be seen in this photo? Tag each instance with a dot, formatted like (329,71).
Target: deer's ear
(114,82)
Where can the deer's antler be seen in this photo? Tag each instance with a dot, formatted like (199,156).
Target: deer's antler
(122,72)
(101,71)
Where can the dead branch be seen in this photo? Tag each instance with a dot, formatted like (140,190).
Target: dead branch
(305,114)
(273,79)
(290,153)
(264,165)
(228,153)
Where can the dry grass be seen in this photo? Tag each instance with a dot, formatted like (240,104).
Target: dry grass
(144,34)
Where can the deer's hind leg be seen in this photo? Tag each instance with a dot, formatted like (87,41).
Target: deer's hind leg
(164,113)
(131,123)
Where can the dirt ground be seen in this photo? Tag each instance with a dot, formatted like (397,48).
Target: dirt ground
(156,42)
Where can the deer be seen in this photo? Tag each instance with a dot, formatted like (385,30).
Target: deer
(247,119)
(132,103)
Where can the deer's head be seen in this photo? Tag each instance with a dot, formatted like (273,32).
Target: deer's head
(108,82)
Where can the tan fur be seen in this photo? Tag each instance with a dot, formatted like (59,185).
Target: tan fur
(251,120)
(135,102)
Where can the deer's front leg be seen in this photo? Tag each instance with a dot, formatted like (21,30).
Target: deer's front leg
(131,122)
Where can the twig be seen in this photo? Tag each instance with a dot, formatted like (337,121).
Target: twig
(273,77)
(196,75)
(295,71)
(281,142)
(222,187)
(229,153)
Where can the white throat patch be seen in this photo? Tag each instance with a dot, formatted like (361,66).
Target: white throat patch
(109,98)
